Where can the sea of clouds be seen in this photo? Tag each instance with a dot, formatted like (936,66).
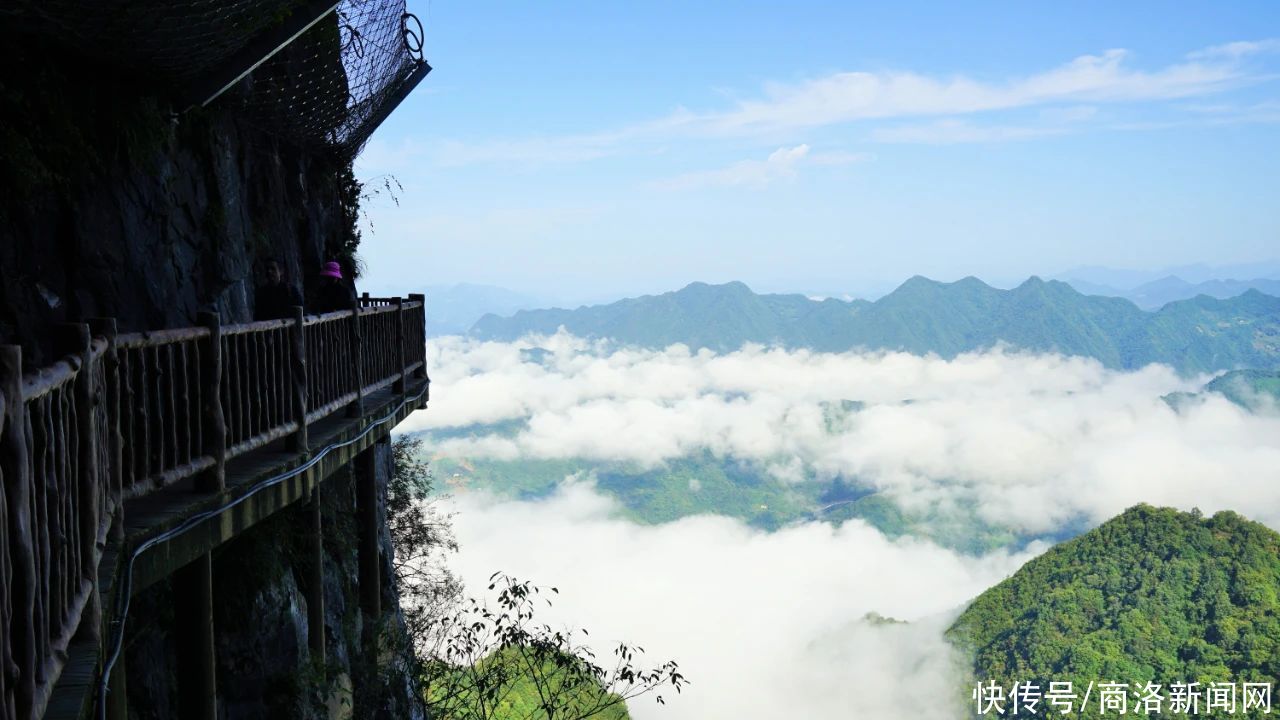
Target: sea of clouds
(769,625)
(765,625)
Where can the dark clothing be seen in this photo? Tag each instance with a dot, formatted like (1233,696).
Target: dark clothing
(275,302)
(333,296)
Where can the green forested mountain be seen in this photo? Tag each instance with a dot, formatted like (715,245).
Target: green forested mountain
(922,315)
(1154,595)
(703,484)
(695,485)
(1253,390)
(1248,388)
(720,317)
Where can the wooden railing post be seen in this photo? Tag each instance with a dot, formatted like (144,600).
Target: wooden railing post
(356,409)
(20,650)
(420,373)
(106,328)
(215,423)
(399,385)
(74,340)
(298,442)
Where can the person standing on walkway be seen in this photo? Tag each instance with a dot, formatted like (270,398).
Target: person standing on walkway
(333,293)
(274,299)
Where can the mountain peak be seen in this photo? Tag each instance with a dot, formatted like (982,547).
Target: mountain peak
(1117,565)
(914,285)
(736,287)
(1036,284)
(919,280)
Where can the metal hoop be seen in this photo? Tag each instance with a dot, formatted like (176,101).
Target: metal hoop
(354,41)
(412,38)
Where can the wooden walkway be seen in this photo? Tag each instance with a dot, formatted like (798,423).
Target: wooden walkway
(134,456)
(74,697)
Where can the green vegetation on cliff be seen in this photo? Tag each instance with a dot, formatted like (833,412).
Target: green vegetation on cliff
(513,684)
(488,658)
(1154,595)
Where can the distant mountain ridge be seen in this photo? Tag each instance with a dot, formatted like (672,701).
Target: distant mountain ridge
(452,309)
(922,316)
(1157,293)
(1128,279)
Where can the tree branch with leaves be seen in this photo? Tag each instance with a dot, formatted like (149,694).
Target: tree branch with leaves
(482,660)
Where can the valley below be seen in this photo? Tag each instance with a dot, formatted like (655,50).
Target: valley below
(801,529)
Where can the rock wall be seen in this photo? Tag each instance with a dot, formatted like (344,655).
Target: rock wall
(265,669)
(113,205)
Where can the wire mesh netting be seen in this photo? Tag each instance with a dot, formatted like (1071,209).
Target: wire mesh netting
(328,87)
(334,82)
(177,40)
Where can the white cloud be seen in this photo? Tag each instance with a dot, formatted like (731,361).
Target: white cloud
(785,109)
(782,164)
(779,165)
(1266,111)
(765,626)
(1236,50)
(951,132)
(1035,441)
(851,96)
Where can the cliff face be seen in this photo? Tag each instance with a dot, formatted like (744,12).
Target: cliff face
(114,206)
(265,667)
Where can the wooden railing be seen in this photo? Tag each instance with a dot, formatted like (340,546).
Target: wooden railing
(121,416)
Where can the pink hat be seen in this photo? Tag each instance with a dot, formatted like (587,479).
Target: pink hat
(332,269)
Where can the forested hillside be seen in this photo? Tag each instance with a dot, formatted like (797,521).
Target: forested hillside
(1251,389)
(1152,596)
(924,316)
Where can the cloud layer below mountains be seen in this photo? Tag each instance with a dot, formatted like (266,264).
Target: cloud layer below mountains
(1036,441)
(771,625)
(765,626)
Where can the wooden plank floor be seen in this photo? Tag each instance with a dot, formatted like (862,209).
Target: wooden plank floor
(148,516)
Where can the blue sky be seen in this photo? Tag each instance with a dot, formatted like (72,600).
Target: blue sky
(583,151)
